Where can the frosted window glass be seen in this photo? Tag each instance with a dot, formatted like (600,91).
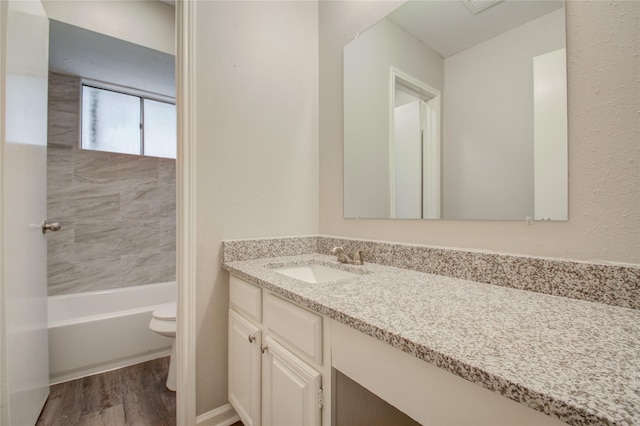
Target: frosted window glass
(159,129)
(110,121)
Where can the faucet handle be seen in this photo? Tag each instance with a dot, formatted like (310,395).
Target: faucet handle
(342,256)
(358,257)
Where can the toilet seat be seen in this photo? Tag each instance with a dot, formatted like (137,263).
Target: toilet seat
(166,312)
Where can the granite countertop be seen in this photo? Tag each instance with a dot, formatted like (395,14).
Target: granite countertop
(578,361)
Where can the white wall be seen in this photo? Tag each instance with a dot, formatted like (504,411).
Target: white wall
(257,149)
(604,177)
(147,23)
(489,87)
(368,59)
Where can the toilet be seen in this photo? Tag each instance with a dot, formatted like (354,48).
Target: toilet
(163,322)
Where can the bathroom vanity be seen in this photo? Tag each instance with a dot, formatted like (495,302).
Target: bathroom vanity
(276,358)
(442,350)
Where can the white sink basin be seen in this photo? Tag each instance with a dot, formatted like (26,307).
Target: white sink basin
(315,273)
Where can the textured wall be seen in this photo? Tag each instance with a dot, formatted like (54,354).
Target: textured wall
(117,211)
(604,153)
(257,149)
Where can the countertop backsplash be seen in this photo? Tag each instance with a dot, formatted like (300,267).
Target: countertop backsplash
(611,284)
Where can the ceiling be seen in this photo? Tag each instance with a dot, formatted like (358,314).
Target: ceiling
(449,26)
(77,51)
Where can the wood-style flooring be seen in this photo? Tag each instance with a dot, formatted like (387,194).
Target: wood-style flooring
(133,395)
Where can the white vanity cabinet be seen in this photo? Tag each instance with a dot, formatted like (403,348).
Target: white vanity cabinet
(245,360)
(291,389)
(276,369)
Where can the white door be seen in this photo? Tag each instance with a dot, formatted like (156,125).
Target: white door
(291,389)
(23,282)
(407,157)
(245,378)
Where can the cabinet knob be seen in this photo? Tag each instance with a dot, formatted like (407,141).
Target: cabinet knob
(263,348)
(252,338)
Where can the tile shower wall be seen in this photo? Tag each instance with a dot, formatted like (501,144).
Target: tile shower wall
(117,211)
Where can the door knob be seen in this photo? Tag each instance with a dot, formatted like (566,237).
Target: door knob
(50,226)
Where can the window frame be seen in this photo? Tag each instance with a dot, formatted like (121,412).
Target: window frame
(142,95)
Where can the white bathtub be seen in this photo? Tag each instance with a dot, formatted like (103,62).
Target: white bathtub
(98,331)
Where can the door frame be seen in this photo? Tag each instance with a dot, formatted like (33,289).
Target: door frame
(431,119)
(186,239)
(4,412)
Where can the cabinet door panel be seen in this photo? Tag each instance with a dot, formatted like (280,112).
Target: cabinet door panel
(297,328)
(291,389)
(244,368)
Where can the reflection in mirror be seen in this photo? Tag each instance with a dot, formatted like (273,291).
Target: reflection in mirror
(454,113)
(415,148)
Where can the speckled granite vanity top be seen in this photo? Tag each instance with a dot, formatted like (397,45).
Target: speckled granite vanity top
(576,360)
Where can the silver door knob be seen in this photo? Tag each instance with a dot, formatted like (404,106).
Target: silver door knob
(50,226)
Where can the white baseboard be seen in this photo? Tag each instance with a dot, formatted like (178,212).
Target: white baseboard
(108,366)
(221,416)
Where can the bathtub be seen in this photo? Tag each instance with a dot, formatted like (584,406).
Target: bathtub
(98,331)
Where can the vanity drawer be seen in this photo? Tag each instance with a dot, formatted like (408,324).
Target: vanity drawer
(295,326)
(246,298)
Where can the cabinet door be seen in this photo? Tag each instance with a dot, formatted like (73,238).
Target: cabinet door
(291,389)
(244,368)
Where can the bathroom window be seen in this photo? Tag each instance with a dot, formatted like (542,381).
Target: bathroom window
(127,123)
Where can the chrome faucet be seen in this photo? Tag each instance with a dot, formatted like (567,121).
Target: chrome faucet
(344,257)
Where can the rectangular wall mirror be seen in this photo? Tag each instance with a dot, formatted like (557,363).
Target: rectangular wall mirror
(458,110)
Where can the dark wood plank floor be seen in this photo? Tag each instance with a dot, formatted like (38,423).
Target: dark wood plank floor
(133,395)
